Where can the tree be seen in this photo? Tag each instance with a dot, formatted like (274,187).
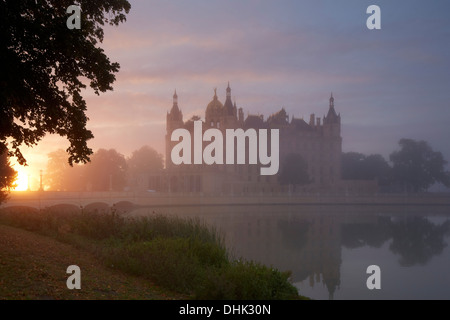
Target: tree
(416,166)
(106,171)
(190,123)
(60,176)
(7,176)
(143,162)
(357,166)
(57,166)
(43,67)
(294,171)
(352,168)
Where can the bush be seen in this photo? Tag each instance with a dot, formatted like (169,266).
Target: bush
(175,263)
(183,255)
(249,281)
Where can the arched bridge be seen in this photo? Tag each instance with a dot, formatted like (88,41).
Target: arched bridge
(42,200)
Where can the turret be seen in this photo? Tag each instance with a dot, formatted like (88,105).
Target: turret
(331,116)
(174,120)
(332,121)
(175,116)
(228,109)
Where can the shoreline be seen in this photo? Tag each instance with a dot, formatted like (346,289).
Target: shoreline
(81,199)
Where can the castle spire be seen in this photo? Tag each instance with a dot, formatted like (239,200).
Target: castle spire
(331,116)
(175,98)
(175,113)
(228,106)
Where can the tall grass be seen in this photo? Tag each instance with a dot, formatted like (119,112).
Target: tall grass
(183,255)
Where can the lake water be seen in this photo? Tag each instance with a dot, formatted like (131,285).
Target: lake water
(328,248)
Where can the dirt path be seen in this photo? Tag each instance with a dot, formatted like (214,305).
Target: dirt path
(34,267)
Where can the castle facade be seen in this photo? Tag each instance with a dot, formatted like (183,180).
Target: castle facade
(317,141)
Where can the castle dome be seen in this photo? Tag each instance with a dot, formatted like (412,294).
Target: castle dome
(215,107)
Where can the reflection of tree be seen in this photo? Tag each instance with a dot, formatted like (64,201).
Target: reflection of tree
(364,234)
(417,240)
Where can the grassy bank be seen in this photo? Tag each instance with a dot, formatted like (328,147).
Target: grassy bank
(182,255)
(33,267)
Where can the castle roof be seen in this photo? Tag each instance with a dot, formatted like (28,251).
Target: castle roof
(300,124)
(254,121)
(278,118)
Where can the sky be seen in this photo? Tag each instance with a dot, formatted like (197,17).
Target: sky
(388,84)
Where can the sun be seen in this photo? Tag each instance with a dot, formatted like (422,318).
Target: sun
(22,181)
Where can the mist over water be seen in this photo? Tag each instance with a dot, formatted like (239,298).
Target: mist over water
(328,248)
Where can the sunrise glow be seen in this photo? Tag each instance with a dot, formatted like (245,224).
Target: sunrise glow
(22,181)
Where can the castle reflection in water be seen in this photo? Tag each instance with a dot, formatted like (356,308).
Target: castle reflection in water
(308,240)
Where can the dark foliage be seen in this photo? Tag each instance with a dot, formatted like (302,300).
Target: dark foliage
(43,67)
(416,166)
(7,176)
(294,171)
(357,166)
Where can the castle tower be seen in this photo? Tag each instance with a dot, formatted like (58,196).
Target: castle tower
(175,116)
(229,110)
(174,120)
(214,112)
(333,144)
(228,106)
(332,120)
(241,116)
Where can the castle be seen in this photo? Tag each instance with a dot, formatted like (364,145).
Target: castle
(318,142)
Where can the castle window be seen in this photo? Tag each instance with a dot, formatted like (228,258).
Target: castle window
(212,123)
(218,125)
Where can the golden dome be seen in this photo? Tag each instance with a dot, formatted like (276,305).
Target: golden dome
(215,106)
